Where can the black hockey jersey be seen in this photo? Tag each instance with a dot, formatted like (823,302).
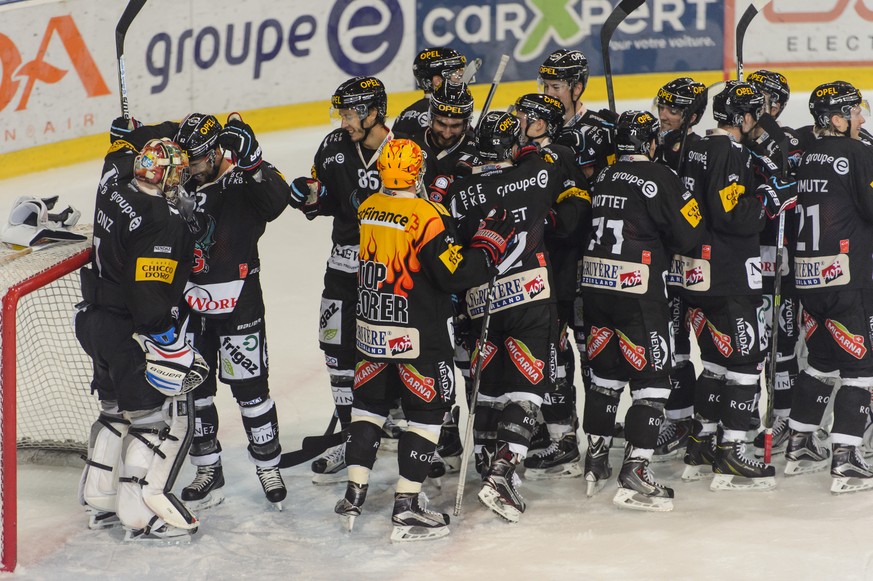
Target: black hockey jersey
(443,165)
(668,150)
(727,262)
(834,249)
(413,119)
(349,175)
(642,215)
(527,191)
(142,255)
(411,261)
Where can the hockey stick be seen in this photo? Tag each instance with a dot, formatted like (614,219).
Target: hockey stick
(311,447)
(470,71)
(686,121)
(471,415)
(498,74)
(133,8)
(624,8)
(746,19)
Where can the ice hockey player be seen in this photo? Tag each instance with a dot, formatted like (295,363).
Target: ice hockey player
(410,265)
(541,118)
(681,104)
(515,370)
(834,278)
(237,195)
(132,323)
(766,143)
(344,174)
(432,67)
(564,76)
(722,282)
(642,216)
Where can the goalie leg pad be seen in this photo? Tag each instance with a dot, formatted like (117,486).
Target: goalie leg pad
(99,484)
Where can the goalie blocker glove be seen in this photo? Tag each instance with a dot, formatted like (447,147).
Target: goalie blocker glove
(306,195)
(173,366)
(239,139)
(496,235)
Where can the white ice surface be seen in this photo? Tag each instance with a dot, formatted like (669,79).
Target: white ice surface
(797,531)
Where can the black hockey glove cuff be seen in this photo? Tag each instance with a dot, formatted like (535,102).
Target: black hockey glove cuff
(306,194)
(777,196)
(121,128)
(238,138)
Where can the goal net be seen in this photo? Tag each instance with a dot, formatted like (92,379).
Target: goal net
(45,376)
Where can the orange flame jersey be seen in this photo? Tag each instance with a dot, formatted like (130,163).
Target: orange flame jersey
(410,262)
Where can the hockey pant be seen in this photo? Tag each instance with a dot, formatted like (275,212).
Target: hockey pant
(99,484)
(153,451)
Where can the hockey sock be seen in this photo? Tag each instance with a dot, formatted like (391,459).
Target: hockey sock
(516,425)
(415,450)
(485,423)
(262,428)
(808,402)
(341,387)
(363,442)
(737,406)
(205,448)
(707,393)
(851,410)
(680,404)
(786,377)
(601,407)
(642,423)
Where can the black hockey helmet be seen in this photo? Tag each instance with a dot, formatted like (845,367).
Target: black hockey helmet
(361,94)
(734,101)
(836,98)
(431,62)
(538,106)
(774,85)
(497,133)
(198,135)
(635,131)
(684,93)
(567,65)
(452,100)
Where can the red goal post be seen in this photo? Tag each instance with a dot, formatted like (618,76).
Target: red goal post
(45,376)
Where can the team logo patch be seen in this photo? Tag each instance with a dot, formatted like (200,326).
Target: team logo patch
(598,337)
(524,361)
(417,383)
(489,351)
(535,286)
(634,354)
(722,342)
(809,325)
(848,341)
(695,320)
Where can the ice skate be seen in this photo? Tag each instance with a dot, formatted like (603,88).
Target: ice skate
(500,486)
(349,507)
(331,466)
(733,470)
(274,486)
(698,458)
(207,488)
(447,459)
(414,522)
(540,438)
(637,488)
(99,520)
(780,438)
(672,440)
(159,533)
(849,470)
(597,468)
(805,453)
(560,459)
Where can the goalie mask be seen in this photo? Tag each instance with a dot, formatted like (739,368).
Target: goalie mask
(163,164)
(401,165)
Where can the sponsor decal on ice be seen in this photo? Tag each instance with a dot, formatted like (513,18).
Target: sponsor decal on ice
(722,342)
(524,361)
(598,337)
(416,382)
(634,354)
(848,341)
(367,370)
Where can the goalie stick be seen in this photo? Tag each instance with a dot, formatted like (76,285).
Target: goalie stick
(624,8)
(133,8)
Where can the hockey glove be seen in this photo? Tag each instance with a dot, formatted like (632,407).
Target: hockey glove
(438,190)
(239,139)
(306,194)
(173,366)
(121,128)
(777,196)
(495,235)
(186,203)
(604,118)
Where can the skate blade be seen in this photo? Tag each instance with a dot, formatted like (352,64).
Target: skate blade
(776,451)
(103,520)
(666,457)
(733,482)
(568,470)
(490,498)
(406,534)
(697,472)
(617,443)
(843,484)
(594,485)
(627,498)
(332,478)
(795,467)
(277,505)
(348,521)
(179,537)
(214,498)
